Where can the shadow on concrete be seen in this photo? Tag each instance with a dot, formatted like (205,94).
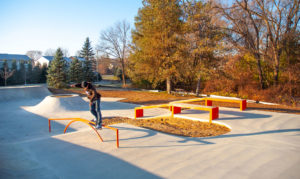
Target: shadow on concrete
(53,158)
(201,140)
(241,115)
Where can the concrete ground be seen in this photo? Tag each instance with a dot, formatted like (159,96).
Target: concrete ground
(260,145)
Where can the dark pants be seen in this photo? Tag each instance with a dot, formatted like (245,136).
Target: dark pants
(95,110)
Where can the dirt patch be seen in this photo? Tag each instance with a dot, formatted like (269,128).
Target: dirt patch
(175,126)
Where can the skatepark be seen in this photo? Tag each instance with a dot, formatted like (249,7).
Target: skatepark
(260,145)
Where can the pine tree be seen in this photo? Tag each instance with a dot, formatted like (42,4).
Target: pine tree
(57,72)
(43,77)
(13,80)
(75,72)
(156,40)
(29,72)
(21,73)
(87,53)
(36,73)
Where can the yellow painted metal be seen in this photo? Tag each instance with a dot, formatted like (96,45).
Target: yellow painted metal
(188,100)
(153,106)
(227,100)
(193,106)
(88,122)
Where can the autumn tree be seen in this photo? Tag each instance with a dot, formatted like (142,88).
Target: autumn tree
(155,42)
(202,40)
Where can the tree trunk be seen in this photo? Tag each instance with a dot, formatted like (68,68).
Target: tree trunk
(168,83)
(260,72)
(276,70)
(198,85)
(123,74)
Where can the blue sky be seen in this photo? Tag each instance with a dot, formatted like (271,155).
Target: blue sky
(43,24)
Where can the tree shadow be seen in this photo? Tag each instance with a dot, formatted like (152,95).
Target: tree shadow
(54,158)
(184,140)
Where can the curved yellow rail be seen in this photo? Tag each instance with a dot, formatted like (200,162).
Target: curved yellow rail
(72,120)
(86,122)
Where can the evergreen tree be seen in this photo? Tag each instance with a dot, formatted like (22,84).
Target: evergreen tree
(21,73)
(29,72)
(87,53)
(57,72)
(36,73)
(43,76)
(75,72)
(156,40)
(13,80)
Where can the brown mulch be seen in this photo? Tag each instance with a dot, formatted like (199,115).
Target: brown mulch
(176,126)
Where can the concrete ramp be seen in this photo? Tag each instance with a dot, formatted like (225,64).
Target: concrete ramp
(59,103)
(19,93)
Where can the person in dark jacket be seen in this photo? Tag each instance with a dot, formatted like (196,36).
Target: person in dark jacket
(94,98)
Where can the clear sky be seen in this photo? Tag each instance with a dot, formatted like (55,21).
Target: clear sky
(48,24)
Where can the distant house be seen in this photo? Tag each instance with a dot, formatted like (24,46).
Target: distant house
(11,57)
(47,59)
(79,58)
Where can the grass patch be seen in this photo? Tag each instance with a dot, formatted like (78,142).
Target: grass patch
(175,126)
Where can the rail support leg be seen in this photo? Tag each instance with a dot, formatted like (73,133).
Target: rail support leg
(139,113)
(243,105)
(208,102)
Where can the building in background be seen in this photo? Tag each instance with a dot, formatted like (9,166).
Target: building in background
(10,57)
(47,59)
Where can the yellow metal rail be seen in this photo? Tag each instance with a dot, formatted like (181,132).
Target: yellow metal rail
(89,123)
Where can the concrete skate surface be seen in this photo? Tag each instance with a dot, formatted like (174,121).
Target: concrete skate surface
(260,145)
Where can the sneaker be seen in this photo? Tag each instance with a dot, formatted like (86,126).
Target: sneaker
(93,120)
(98,127)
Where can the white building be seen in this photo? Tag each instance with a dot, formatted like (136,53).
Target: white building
(47,59)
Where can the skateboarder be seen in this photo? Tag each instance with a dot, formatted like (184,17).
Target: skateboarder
(94,98)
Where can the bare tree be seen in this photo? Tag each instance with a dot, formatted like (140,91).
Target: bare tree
(34,54)
(281,19)
(50,52)
(245,31)
(263,28)
(5,74)
(115,43)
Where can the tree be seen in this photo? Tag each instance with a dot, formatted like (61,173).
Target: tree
(114,42)
(50,52)
(202,39)
(88,54)
(5,73)
(57,72)
(21,73)
(43,77)
(34,54)
(155,42)
(245,31)
(281,19)
(29,72)
(13,80)
(263,28)
(36,73)
(75,72)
